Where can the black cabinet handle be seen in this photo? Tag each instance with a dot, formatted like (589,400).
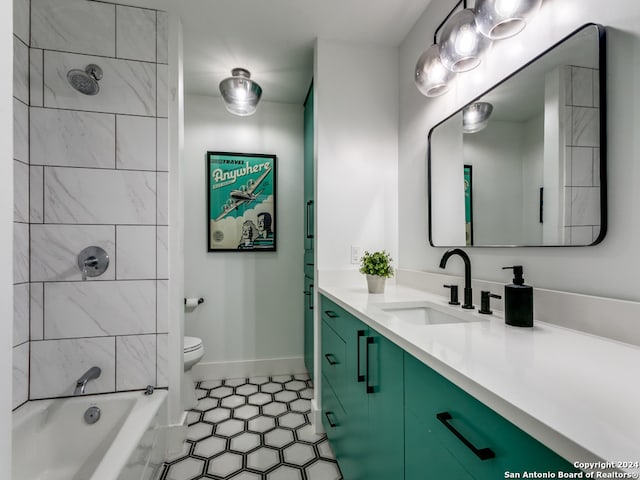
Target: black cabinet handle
(331,424)
(360,335)
(309,204)
(481,453)
(330,358)
(309,295)
(330,314)
(369,387)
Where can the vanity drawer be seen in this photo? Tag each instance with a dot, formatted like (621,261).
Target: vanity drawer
(478,439)
(334,315)
(333,415)
(333,358)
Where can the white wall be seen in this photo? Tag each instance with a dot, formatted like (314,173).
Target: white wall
(6,235)
(497,183)
(356,129)
(532,170)
(175,322)
(253,301)
(448,215)
(572,269)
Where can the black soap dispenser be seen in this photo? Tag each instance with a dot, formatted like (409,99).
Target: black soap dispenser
(518,300)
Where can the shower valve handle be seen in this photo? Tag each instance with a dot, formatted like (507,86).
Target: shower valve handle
(92,262)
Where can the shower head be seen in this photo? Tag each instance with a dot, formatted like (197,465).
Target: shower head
(85,81)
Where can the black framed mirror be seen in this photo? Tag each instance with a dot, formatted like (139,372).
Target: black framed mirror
(538,158)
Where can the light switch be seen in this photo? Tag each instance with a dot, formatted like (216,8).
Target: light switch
(356,253)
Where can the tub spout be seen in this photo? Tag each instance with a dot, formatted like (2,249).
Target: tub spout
(81,384)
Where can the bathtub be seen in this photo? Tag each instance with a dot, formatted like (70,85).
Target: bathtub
(51,440)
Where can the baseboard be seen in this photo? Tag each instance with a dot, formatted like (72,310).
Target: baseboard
(248,368)
(176,434)
(316,419)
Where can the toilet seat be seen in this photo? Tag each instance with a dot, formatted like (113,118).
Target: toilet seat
(191,344)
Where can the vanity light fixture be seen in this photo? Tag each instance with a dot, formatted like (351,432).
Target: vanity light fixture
(498,19)
(431,76)
(466,35)
(475,117)
(240,94)
(462,43)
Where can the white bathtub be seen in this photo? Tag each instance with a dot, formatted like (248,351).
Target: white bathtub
(51,440)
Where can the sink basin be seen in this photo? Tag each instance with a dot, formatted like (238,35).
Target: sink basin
(421,314)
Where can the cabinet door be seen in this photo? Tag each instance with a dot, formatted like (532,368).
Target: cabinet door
(356,448)
(308,170)
(425,456)
(308,325)
(478,439)
(308,144)
(385,393)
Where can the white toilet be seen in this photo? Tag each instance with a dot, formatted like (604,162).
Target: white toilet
(193,353)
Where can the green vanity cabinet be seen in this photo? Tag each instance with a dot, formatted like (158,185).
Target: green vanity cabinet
(363,397)
(450,434)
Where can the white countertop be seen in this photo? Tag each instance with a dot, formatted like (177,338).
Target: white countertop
(575,392)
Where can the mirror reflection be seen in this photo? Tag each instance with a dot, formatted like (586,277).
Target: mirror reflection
(523,165)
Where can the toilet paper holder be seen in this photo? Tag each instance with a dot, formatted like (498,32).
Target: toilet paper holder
(200,301)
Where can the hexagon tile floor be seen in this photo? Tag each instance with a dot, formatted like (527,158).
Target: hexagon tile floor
(253,429)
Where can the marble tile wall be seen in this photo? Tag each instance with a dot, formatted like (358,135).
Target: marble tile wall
(95,173)
(21,289)
(582,158)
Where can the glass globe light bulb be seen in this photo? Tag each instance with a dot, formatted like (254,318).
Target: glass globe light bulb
(461,42)
(431,76)
(475,117)
(498,19)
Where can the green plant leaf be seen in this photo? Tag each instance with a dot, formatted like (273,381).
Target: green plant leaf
(377,263)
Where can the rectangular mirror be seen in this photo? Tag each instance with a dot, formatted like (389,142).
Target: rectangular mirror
(538,160)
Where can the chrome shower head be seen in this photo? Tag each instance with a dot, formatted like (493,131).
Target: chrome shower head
(85,81)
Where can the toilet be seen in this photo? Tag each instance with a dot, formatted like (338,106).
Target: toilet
(193,353)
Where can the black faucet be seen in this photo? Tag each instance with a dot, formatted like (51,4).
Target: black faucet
(468,302)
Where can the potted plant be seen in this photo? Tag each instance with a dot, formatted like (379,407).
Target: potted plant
(377,267)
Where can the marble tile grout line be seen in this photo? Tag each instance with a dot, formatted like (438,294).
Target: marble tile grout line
(253,429)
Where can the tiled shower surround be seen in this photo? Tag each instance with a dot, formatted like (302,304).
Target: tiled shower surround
(90,170)
(582,173)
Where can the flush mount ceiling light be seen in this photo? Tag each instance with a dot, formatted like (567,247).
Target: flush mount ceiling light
(498,19)
(241,94)
(431,76)
(462,43)
(475,117)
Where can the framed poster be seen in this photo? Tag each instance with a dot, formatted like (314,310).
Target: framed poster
(241,202)
(468,203)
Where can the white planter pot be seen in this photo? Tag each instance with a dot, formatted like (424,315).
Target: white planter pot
(376,283)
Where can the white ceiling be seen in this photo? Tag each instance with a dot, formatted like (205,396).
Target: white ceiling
(274,38)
